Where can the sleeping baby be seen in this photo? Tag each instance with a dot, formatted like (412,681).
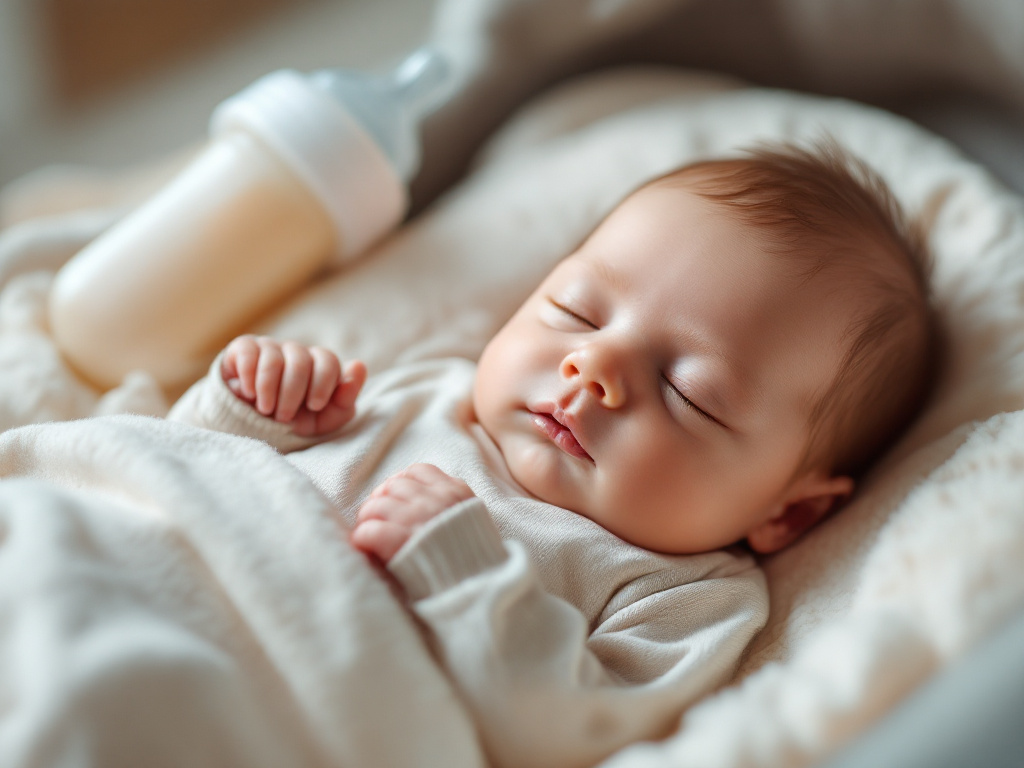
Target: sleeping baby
(571,517)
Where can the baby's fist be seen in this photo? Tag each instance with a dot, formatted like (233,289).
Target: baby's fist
(402,504)
(306,387)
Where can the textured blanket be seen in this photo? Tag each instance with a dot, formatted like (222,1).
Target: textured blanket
(172,597)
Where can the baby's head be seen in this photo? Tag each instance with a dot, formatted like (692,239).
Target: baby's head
(721,357)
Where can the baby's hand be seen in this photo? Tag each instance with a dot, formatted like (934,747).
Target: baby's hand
(401,504)
(306,387)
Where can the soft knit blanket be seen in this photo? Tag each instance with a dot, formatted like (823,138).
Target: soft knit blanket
(171,597)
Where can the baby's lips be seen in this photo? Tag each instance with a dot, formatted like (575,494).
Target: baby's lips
(572,425)
(560,434)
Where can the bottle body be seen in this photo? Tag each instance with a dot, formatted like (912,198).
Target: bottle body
(232,235)
(301,171)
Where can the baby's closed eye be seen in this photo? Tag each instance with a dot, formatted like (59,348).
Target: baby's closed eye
(561,315)
(678,401)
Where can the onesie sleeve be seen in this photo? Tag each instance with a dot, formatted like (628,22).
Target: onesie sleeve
(210,404)
(544,687)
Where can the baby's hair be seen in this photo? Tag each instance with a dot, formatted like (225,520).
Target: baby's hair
(829,211)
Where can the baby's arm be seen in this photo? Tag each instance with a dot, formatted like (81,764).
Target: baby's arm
(543,686)
(286,394)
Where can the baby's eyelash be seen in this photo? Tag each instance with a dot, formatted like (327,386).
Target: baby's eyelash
(573,315)
(688,402)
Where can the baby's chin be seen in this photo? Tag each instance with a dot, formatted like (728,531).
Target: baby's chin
(546,480)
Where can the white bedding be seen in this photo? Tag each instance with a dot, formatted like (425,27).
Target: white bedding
(170,596)
(927,559)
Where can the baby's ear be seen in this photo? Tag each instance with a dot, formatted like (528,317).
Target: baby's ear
(809,500)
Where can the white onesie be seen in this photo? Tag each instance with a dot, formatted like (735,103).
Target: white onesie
(566,642)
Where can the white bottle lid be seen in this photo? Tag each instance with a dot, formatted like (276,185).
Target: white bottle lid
(325,146)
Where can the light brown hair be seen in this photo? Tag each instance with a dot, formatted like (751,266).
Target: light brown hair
(828,210)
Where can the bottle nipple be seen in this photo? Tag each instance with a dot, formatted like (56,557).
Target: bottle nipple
(419,80)
(389,107)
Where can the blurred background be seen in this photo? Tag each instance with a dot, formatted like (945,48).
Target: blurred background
(108,83)
(111,82)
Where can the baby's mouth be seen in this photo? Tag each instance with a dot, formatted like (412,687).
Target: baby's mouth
(559,433)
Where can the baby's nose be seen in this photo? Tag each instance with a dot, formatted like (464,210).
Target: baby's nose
(597,372)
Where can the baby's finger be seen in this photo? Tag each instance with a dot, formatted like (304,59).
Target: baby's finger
(381,538)
(298,369)
(239,364)
(438,484)
(427,473)
(400,487)
(268,375)
(304,423)
(411,514)
(332,417)
(353,376)
(309,423)
(326,375)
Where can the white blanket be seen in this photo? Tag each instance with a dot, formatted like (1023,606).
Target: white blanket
(925,561)
(170,596)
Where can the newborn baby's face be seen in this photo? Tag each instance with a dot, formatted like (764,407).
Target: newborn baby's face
(661,379)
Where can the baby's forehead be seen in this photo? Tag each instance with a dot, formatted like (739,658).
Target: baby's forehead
(790,264)
(605,269)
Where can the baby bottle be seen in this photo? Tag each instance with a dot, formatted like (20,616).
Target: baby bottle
(301,171)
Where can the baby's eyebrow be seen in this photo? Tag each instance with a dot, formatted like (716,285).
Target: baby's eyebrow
(614,277)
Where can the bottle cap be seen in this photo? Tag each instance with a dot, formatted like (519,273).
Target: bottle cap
(326,147)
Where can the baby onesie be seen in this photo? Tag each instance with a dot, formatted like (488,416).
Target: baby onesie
(565,642)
